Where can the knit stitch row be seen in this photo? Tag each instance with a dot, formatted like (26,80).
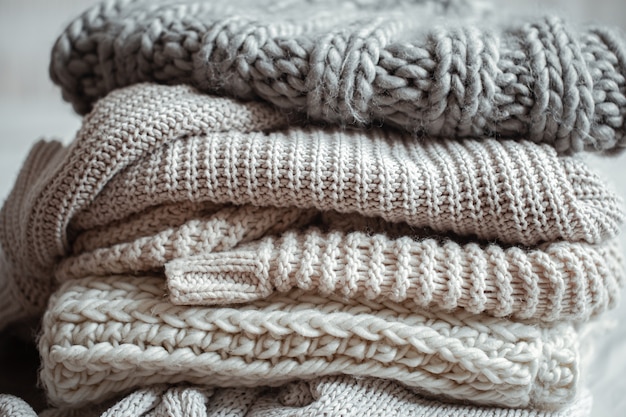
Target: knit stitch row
(231,255)
(513,192)
(199,255)
(564,282)
(57,182)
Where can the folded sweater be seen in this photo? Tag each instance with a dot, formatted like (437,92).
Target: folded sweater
(339,396)
(150,147)
(363,62)
(243,253)
(107,335)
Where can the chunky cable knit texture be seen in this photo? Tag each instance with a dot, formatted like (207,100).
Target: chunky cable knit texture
(349,63)
(86,209)
(111,334)
(202,256)
(327,396)
(11,406)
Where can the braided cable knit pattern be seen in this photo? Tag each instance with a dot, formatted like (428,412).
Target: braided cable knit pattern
(352,64)
(11,406)
(116,333)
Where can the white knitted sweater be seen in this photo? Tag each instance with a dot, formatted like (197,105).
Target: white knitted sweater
(106,335)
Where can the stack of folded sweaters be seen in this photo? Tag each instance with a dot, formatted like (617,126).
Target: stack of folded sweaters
(304,208)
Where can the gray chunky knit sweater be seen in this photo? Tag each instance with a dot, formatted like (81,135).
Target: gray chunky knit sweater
(362,62)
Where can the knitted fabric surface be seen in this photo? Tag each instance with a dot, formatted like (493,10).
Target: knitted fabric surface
(343,62)
(210,260)
(327,396)
(160,173)
(105,335)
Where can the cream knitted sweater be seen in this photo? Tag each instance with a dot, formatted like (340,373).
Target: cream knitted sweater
(232,255)
(362,62)
(107,335)
(148,147)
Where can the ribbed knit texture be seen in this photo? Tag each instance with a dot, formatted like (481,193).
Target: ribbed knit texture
(393,223)
(326,396)
(348,63)
(106,335)
(148,146)
(23,293)
(450,266)
(512,192)
(56,182)
(564,282)
(230,255)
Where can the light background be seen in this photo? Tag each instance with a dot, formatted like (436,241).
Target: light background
(31,108)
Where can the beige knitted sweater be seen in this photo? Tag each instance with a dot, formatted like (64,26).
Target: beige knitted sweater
(118,200)
(448,266)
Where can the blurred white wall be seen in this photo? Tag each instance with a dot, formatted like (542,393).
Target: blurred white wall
(28,29)
(30,105)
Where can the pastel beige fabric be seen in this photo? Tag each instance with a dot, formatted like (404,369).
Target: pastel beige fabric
(56,182)
(148,146)
(194,255)
(337,396)
(107,335)
(184,238)
(236,254)
(566,281)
